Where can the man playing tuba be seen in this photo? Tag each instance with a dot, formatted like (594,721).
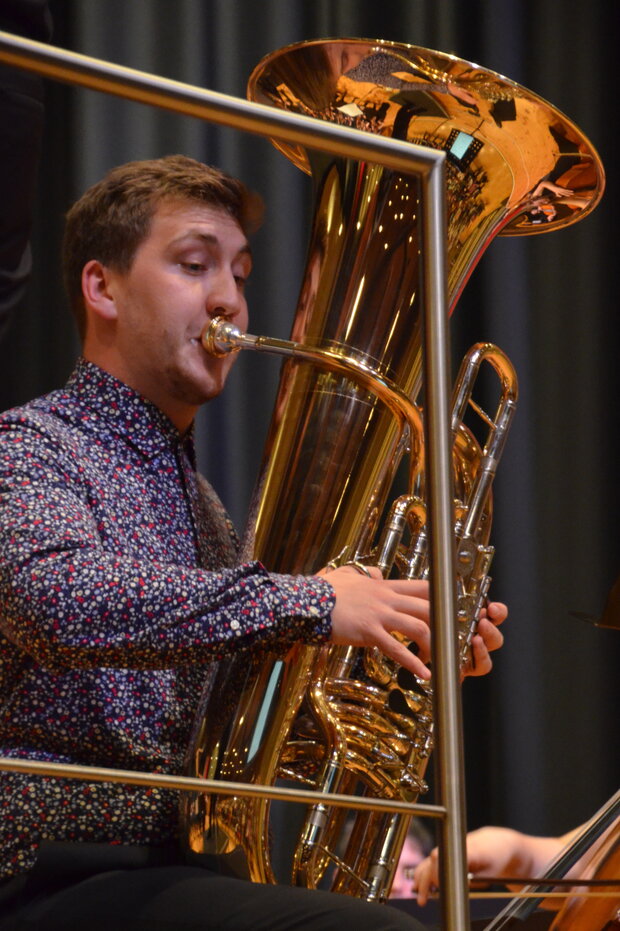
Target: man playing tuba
(121,582)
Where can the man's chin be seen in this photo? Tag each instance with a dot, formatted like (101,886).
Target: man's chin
(195,384)
(199,391)
(197,398)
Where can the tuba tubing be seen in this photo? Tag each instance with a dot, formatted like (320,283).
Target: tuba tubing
(340,719)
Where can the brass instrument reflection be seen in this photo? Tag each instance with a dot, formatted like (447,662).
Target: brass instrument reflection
(339,719)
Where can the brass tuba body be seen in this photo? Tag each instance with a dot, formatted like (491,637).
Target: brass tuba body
(340,719)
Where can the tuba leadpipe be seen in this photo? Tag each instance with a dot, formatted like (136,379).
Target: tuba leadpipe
(339,719)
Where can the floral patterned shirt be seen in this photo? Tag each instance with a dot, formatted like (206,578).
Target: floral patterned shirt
(119,585)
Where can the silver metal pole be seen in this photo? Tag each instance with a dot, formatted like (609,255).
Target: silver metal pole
(450,779)
(215,786)
(140,86)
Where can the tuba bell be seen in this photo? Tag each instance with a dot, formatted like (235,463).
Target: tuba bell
(342,719)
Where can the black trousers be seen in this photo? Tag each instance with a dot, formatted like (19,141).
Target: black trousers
(74,887)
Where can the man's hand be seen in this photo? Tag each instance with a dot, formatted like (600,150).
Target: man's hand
(369,610)
(486,639)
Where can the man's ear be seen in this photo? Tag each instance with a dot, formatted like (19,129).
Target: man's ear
(98,296)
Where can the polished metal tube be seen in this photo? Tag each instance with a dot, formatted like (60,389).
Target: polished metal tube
(221,337)
(221,787)
(450,779)
(224,109)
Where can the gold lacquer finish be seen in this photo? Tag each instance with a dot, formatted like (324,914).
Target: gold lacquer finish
(333,718)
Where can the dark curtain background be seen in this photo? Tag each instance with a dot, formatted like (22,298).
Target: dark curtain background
(541,731)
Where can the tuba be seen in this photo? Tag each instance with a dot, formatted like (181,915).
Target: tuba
(344,719)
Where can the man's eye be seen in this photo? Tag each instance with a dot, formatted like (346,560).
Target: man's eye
(241,281)
(194,268)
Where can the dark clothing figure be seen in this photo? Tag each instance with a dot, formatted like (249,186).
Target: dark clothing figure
(21,122)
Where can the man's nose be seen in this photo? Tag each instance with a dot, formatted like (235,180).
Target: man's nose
(225,299)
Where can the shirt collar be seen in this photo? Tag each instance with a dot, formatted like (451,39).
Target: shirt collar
(125,411)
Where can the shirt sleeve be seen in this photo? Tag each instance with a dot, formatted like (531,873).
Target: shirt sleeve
(68,602)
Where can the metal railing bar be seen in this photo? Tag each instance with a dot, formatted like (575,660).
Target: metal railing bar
(93,73)
(212,786)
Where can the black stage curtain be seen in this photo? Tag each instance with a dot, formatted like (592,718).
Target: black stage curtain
(541,730)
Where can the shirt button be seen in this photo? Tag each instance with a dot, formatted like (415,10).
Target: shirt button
(234,625)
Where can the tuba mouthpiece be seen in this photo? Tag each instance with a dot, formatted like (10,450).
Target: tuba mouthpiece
(221,337)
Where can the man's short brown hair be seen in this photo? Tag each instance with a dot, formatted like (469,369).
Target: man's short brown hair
(113,217)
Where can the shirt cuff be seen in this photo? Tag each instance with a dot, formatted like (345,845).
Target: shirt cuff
(302,606)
